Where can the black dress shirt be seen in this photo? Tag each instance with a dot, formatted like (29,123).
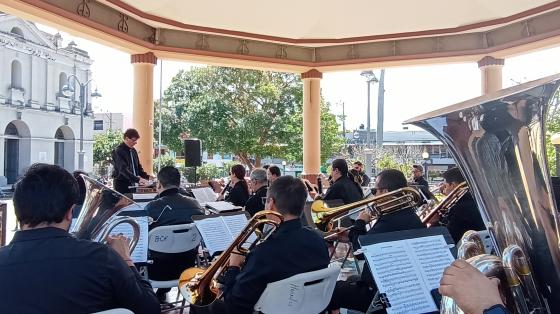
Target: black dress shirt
(127,167)
(291,250)
(238,194)
(421,181)
(47,270)
(344,189)
(180,209)
(255,203)
(462,217)
(365,179)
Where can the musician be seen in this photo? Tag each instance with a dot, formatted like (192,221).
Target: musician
(472,290)
(343,187)
(259,185)
(464,215)
(418,176)
(273,172)
(170,207)
(64,274)
(127,168)
(359,167)
(291,250)
(237,190)
(357,295)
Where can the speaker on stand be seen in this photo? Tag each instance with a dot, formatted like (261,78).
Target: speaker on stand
(193,157)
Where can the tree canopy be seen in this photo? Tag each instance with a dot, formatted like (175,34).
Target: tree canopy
(251,114)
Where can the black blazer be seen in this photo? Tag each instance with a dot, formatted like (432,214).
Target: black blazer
(291,250)
(255,202)
(238,194)
(464,216)
(123,159)
(345,189)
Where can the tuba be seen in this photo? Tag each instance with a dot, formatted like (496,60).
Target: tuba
(498,142)
(445,205)
(99,213)
(325,217)
(199,286)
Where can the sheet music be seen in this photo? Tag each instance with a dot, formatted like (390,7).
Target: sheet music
(215,234)
(143,196)
(140,253)
(235,224)
(204,195)
(221,206)
(407,270)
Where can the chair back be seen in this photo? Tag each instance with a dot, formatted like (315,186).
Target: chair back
(116,311)
(307,293)
(174,239)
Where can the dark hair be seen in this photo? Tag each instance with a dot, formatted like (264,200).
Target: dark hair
(265,167)
(359,163)
(289,195)
(453,175)
(131,133)
(391,179)
(44,194)
(169,176)
(341,165)
(275,170)
(418,167)
(81,186)
(239,172)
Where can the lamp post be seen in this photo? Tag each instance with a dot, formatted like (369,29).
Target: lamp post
(426,157)
(555,140)
(69,91)
(370,78)
(284,167)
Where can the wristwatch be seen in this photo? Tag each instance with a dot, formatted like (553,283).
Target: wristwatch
(496,309)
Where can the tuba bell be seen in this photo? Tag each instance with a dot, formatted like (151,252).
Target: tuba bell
(99,213)
(498,142)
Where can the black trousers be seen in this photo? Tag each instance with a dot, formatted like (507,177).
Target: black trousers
(122,186)
(353,295)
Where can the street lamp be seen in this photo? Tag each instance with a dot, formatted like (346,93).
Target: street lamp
(370,78)
(426,156)
(555,140)
(68,91)
(284,166)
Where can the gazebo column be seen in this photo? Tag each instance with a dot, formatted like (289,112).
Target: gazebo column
(143,107)
(491,74)
(311,124)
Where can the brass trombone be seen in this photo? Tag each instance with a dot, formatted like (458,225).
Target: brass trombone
(325,217)
(199,286)
(445,205)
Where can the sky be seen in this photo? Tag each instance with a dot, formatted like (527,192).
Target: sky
(409,91)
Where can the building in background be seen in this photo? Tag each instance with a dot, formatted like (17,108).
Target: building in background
(37,122)
(104,121)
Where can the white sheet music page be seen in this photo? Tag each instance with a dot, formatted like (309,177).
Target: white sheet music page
(204,195)
(221,206)
(407,270)
(140,253)
(215,234)
(235,224)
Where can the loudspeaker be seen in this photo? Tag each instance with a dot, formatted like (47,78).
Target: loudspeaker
(193,153)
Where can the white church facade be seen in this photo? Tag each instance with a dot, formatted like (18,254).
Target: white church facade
(38,123)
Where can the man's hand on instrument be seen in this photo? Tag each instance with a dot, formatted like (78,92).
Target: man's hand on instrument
(119,243)
(471,289)
(236,259)
(365,216)
(342,235)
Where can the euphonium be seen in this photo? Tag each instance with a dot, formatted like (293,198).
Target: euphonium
(99,213)
(198,286)
(445,205)
(498,142)
(324,217)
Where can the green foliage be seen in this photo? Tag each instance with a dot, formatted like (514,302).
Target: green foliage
(552,127)
(208,172)
(251,114)
(103,145)
(388,160)
(166,160)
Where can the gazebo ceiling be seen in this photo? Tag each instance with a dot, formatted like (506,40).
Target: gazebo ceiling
(321,20)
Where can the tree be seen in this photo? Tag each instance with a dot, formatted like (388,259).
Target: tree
(251,114)
(103,145)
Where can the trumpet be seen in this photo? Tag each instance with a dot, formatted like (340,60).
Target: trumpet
(445,205)
(199,286)
(325,217)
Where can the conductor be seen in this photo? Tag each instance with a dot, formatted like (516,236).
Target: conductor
(127,168)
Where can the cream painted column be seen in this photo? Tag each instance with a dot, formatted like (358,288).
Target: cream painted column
(490,74)
(311,124)
(143,107)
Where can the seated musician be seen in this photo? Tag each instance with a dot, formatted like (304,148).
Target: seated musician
(46,270)
(359,167)
(357,295)
(259,185)
(291,250)
(272,173)
(170,208)
(237,190)
(343,187)
(464,215)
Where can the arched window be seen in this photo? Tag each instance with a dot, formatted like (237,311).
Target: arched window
(59,135)
(11,129)
(16,74)
(17,31)
(62,80)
